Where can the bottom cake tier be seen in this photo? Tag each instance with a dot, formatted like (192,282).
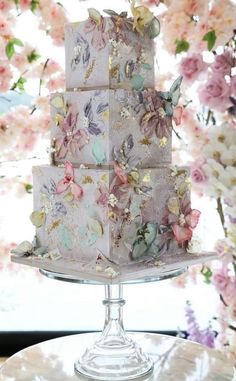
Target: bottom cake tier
(110,224)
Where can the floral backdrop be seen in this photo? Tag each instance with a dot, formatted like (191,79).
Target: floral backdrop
(198,37)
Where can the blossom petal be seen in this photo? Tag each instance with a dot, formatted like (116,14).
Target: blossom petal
(76,190)
(81,137)
(192,218)
(181,233)
(177,115)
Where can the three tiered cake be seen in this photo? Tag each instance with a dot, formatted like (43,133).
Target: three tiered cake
(111,206)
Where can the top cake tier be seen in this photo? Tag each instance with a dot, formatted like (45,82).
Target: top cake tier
(108,52)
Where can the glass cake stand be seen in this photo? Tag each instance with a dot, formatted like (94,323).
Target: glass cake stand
(114,355)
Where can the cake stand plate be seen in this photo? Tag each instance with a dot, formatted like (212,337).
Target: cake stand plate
(174,360)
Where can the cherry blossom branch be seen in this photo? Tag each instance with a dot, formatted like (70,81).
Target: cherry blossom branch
(221,214)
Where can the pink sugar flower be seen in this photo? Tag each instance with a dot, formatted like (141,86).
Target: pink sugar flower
(183,220)
(102,194)
(56,83)
(222,64)
(70,139)
(5,76)
(191,66)
(100,36)
(215,93)
(68,182)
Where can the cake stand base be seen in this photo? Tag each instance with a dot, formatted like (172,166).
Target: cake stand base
(114,355)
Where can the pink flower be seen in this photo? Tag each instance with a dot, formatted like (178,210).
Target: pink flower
(56,83)
(224,251)
(184,220)
(68,182)
(197,174)
(100,36)
(5,76)
(5,28)
(70,139)
(223,64)
(233,85)
(154,119)
(20,61)
(51,68)
(24,4)
(5,5)
(220,279)
(215,93)
(102,194)
(191,66)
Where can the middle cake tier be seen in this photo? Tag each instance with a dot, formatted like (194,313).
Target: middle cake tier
(99,127)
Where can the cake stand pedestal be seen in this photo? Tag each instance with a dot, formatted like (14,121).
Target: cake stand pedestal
(114,355)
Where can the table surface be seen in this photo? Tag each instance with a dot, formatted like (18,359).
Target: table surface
(175,359)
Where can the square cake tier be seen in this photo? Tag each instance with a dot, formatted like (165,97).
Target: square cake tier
(97,127)
(108,54)
(108,225)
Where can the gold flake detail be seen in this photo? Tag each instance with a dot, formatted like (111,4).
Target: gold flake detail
(53,226)
(89,70)
(87,180)
(145,142)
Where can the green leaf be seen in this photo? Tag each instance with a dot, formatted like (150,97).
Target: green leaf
(210,37)
(19,84)
(33,56)
(181,46)
(207,274)
(34,4)
(28,188)
(10,47)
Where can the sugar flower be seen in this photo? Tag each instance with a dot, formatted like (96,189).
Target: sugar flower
(68,182)
(215,93)
(182,218)
(142,17)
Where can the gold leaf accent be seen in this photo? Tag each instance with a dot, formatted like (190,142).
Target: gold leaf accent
(53,226)
(104,178)
(114,71)
(87,180)
(89,70)
(145,142)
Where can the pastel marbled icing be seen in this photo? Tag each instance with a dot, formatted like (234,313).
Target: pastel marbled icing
(109,54)
(89,126)
(125,222)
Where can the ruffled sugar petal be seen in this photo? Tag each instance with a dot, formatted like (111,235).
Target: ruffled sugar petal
(76,190)
(61,147)
(69,171)
(38,218)
(62,186)
(89,26)
(81,137)
(192,218)
(181,233)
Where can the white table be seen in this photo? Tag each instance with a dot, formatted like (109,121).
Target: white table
(175,360)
